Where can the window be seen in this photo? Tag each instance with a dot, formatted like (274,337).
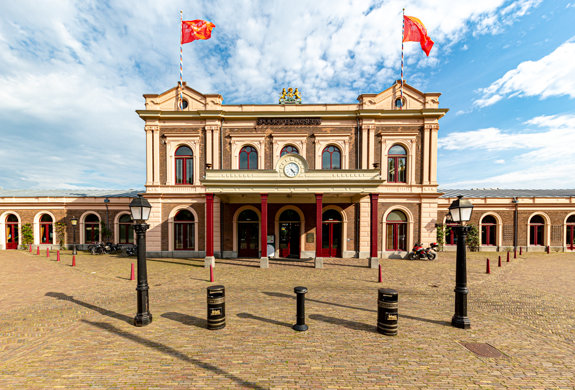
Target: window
(184,165)
(248,158)
(46,230)
(396,231)
(91,229)
(396,164)
(11,232)
(126,227)
(331,158)
(536,230)
(289,149)
(184,230)
(488,230)
(570,237)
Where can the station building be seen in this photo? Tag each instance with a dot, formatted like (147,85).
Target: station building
(292,180)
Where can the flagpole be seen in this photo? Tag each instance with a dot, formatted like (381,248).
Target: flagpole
(181,97)
(402,36)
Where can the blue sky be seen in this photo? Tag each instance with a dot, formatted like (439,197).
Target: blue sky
(72,74)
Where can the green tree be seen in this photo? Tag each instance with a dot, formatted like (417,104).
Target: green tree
(473,238)
(27,234)
(61,233)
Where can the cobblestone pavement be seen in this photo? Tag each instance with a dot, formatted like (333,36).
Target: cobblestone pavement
(71,327)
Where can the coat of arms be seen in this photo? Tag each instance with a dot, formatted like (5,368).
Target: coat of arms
(290,97)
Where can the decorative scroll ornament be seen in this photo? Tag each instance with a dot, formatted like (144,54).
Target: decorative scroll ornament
(290,97)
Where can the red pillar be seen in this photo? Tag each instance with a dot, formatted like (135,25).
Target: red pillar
(209,225)
(373,248)
(264,227)
(318,221)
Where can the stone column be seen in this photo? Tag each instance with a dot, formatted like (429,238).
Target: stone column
(264,260)
(210,260)
(318,232)
(373,252)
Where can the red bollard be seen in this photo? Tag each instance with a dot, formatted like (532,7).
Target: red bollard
(508,256)
(211,273)
(58,255)
(73,260)
(499,263)
(520,251)
(38,251)
(380,275)
(132,273)
(487,269)
(515,253)
(30,248)
(47,252)
(548,250)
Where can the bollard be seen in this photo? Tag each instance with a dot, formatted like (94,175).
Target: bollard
(520,251)
(547,249)
(38,250)
(132,272)
(30,248)
(387,311)
(73,260)
(300,293)
(58,255)
(515,253)
(508,256)
(488,269)
(216,307)
(47,252)
(211,273)
(380,275)
(499,262)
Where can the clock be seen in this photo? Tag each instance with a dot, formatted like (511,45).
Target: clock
(291,169)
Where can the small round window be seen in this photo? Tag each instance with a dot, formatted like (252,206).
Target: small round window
(184,104)
(398,102)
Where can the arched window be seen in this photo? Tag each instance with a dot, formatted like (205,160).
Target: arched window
(184,231)
(331,158)
(126,226)
(397,164)
(488,230)
(331,232)
(91,229)
(184,165)
(11,232)
(570,236)
(46,229)
(536,230)
(289,149)
(396,231)
(248,158)
(248,234)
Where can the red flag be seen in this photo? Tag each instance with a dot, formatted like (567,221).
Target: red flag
(196,29)
(414,31)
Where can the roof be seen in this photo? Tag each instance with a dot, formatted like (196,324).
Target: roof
(507,193)
(77,193)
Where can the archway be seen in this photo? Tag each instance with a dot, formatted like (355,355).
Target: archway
(331,233)
(289,234)
(248,234)
(12,232)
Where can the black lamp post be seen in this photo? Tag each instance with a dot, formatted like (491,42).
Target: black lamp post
(140,209)
(74,222)
(460,212)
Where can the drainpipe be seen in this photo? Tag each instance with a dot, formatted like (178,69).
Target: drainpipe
(515,225)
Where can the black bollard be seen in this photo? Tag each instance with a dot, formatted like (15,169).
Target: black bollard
(300,325)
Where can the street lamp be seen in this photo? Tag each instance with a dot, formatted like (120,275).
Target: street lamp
(140,209)
(74,222)
(460,212)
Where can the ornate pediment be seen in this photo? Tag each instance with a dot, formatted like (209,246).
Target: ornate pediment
(413,99)
(193,100)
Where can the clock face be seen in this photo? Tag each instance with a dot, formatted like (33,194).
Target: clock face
(291,169)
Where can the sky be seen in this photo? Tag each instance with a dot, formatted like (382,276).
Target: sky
(72,74)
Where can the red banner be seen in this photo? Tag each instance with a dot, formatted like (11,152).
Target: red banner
(196,29)
(414,31)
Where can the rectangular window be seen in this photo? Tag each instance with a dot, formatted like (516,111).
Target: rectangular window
(179,172)
(391,170)
(189,171)
(401,170)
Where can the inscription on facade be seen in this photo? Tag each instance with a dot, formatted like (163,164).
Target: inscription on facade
(289,121)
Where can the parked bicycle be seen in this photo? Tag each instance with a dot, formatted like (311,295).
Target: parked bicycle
(101,248)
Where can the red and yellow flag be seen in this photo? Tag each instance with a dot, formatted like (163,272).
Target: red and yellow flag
(196,29)
(414,31)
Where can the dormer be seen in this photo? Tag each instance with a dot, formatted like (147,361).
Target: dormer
(192,100)
(390,99)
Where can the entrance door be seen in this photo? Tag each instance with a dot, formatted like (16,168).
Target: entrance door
(331,234)
(248,232)
(11,232)
(289,240)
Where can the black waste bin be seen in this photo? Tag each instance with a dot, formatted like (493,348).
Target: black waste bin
(387,311)
(216,307)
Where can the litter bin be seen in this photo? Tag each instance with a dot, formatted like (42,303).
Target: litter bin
(216,307)
(387,311)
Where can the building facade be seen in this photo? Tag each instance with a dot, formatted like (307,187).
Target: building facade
(291,180)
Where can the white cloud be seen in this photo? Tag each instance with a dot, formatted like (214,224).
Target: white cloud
(544,154)
(552,75)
